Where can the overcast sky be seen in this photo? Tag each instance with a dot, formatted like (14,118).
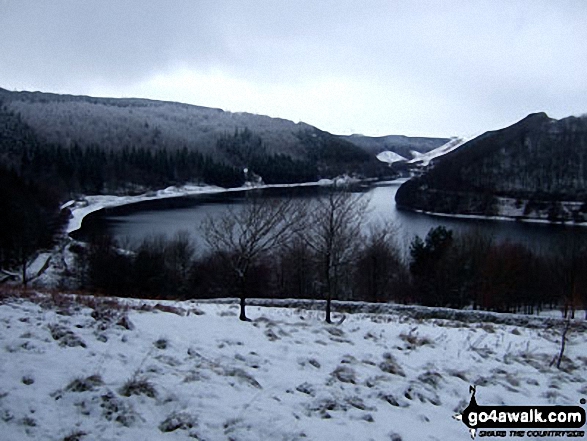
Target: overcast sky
(419,68)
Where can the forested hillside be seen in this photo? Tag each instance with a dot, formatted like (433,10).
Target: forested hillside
(532,168)
(97,145)
(116,123)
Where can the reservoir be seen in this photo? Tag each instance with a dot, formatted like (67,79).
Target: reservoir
(132,223)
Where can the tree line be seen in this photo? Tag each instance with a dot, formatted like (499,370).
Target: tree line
(95,170)
(281,249)
(28,220)
(474,270)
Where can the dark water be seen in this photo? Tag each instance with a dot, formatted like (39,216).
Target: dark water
(131,224)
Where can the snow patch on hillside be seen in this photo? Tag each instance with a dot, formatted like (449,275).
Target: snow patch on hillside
(390,157)
(424,159)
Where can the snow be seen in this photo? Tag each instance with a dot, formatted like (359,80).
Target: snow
(390,157)
(512,209)
(82,207)
(88,204)
(39,264)
(424,159)
(137,370)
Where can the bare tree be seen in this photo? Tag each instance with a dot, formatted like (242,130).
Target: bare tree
(334,234)
(242,236)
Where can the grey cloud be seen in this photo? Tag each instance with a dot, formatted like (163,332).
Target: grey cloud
(109,40)
(483,61)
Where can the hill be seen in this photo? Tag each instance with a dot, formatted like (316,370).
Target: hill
(536,168)
(159,143)
(278,150)
(118,122)
(67,119)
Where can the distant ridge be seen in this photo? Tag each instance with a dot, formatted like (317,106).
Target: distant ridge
(116,122)
(399,144)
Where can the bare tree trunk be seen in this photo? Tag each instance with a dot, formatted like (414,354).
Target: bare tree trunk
(333,234)
(243,315)
(24,274)
(574,299)
(243,297)
(563,342)
(328,280)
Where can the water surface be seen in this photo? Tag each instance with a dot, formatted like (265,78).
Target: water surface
(132,223)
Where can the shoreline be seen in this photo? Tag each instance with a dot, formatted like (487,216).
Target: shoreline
(42,266)
(90,204)
(81,208)
(495,218)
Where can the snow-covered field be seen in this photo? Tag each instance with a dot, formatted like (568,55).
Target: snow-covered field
(97,369)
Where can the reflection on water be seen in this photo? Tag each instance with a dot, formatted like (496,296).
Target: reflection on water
(133,223)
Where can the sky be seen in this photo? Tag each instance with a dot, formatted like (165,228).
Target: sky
(415,68)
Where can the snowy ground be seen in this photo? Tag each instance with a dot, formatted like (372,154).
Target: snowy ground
(100,370)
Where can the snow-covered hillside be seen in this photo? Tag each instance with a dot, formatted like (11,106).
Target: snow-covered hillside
(390,157)
(116,123)
(98,369)
(424,159)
